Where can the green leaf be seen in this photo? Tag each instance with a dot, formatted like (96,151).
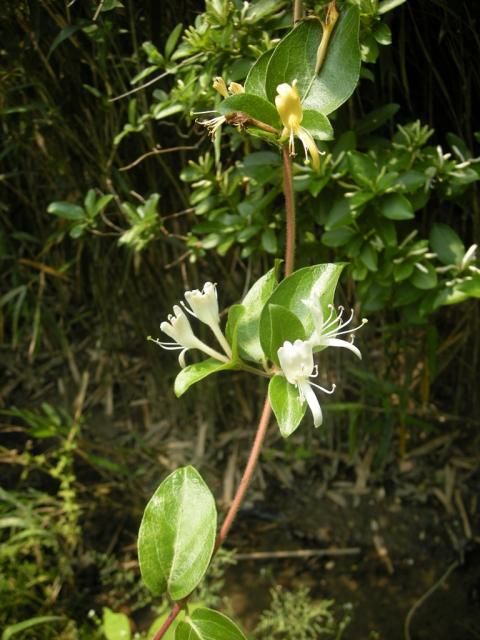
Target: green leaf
(319,281)
(172,40)
(196,372)
(388,5)
(382,34)
(363,168)
(235,313)
(424,279)
(446,244)
(470,286)
(340,72)
(283,325)
(376,118)
(65,34)
(13,629)
(177,534)
(66,210)
(249,324)
(369,256)
(394,206)
(338,237)
(253,106)
(207,624)
(255,81)
(286,404)
(115,626)
(295,58)
(318,125)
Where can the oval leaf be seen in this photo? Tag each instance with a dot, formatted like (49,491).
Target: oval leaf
(283,325)
(196,372)
(207,624)
(446,244)
(177,534)
(286,404)
(319,280)
(255,81)
(394,206)
(248,331)
(253,106)
(318,125)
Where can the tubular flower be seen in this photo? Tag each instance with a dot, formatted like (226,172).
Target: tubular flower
(296,361)
(326,331)
(204,306)
(290,109)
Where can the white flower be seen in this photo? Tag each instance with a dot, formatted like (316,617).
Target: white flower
(213,124)
(290,109)
(178,328)
(296,361)
(326,332)
(204,306)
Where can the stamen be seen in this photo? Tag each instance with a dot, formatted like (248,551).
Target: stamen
(329,391)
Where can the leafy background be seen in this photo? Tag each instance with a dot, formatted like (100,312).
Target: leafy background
(94,251)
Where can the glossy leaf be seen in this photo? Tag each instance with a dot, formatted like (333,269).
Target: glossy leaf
(295,58)
(446,244)
(66,210)
(318,125)
(207,624)
(177,534)
(196,372)
(283,325)
(394,206)
(253,106)
(249,324)
(256,78)
(340,72)
(286,404)
(319,281)
(235,314)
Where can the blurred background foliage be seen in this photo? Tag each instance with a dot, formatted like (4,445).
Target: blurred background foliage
(114,200)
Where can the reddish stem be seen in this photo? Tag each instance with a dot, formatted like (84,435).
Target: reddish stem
(177,607)
(247,474)
(290,212)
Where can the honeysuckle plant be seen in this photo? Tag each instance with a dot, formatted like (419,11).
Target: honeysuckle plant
(282,326)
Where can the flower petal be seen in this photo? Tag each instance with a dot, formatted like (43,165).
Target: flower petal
(310,147)
(309,394)
(337,342)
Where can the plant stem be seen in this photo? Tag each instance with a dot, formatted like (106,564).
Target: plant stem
(247,474)
(290,212)
(177,607)
(297,11)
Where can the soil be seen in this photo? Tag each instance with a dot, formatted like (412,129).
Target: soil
(389,553)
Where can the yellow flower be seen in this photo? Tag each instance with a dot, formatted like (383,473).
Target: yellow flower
(290,110)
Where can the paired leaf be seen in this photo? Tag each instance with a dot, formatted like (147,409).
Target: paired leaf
(295,58)
(177,534)
(283,325)
(207,624)
(394,206)
(248,327)
(318,281)
(196,372)
(286,404)
(340,72)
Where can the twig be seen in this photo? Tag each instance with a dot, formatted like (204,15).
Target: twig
(426,595)
(298,553)
(99,8)
(155,152)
